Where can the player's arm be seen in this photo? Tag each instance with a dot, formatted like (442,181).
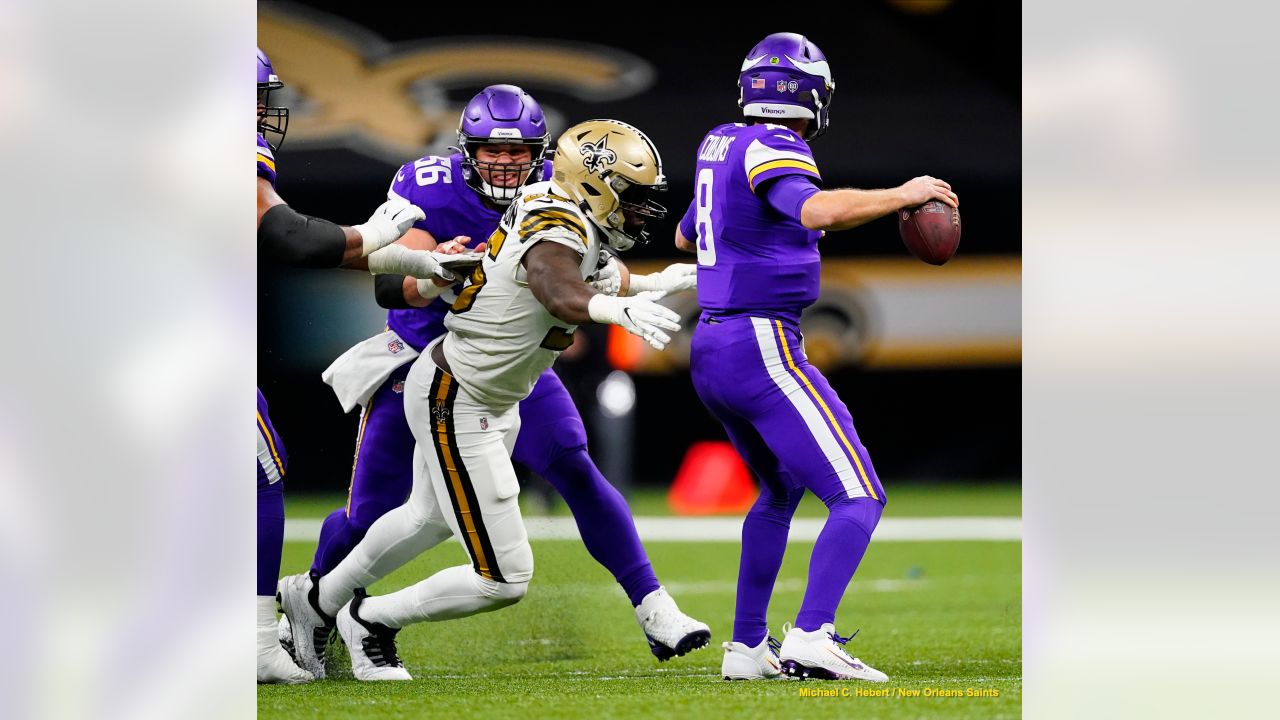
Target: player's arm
(402,291)
(555,280)
(849,208)
(291,238)
(686,230)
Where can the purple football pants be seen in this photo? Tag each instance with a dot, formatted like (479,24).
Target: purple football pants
(552,443)
(271,466)
(794,432)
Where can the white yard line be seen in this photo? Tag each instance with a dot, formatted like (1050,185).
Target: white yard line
(729,529)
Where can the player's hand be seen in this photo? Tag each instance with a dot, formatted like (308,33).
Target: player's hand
(608,277)
(639,316)
(673,278)
(921,190)
(388,224)
(400,260)
(454,246)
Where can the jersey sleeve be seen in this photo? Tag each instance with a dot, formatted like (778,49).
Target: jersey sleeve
(405,187)
(789,193)
(775,154)
(553,224)
(266,162)
(402,184)
(688,223)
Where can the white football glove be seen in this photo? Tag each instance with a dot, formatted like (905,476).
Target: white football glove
(400,260)
(388,224)
(458,263)
(673,278)
(608,277)
(639,316)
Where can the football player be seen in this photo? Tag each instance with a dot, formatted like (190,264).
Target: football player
(502,141)
(755,222)
(291,238)
(463,397)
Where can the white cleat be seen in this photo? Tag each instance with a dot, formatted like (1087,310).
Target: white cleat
(299,601)
(284,633)
(275,665)
(820,655)
(752,663)
(670,632)
(372,645)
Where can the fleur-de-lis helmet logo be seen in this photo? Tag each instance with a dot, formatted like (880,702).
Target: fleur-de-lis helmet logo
(598,154)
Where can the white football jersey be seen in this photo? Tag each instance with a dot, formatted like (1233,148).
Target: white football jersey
(500,337)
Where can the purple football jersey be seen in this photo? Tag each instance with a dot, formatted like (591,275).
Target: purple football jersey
(266,162)
(751,258)
(435,184)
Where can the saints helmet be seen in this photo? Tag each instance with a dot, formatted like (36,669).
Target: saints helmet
(611,170)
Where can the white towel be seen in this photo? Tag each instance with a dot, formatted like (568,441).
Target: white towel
(361,370)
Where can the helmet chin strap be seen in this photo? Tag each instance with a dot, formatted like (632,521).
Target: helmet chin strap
(489,190)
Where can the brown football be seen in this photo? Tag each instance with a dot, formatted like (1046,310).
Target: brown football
(931,231)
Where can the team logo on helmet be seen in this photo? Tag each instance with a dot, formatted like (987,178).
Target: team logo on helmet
(597,155)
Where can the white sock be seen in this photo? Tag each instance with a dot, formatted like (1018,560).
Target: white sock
(395,539)
(267,622)
(451,593)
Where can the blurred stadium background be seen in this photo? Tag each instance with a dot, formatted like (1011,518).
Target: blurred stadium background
(928,359)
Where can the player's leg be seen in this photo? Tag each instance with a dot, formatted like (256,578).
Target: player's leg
(274,664)
(381,474)
(555,447)
(721,382)
(553,443)
(311,603)
(476,487)
(811,433)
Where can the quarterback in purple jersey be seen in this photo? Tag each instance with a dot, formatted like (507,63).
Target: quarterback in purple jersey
(755,222)
(502,144)
(291,238)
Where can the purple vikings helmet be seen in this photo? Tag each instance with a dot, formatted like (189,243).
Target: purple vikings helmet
(502,115)
(786,76)
(274,120)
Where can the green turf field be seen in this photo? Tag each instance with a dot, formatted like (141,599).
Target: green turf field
(934,615)
(913,500)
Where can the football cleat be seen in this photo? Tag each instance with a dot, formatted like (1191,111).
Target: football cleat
(275,665)
(372,645)
(299,599)
(670,632)
(752,663)
(284,633)
(820,655)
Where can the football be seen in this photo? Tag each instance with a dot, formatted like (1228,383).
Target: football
(931,231)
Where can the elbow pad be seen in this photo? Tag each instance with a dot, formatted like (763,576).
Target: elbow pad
(291,238)
(388,290)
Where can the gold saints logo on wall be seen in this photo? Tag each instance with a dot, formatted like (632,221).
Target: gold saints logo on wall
(597,154)
(348,87)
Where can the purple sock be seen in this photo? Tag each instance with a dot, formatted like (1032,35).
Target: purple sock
(338,536)
(604,521)
(270,535)
(764,540)
(836,555)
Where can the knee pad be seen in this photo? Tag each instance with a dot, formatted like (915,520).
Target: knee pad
(862,510)
(515,565)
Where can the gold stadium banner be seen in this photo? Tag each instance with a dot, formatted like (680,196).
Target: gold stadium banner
(889,313)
